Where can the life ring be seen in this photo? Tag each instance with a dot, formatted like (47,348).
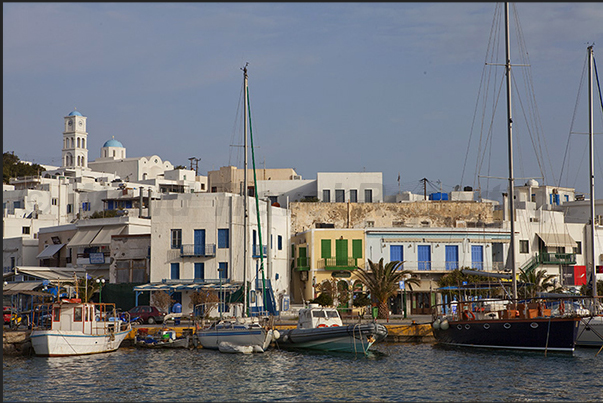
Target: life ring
(334,325)
(322,325)
(470,315)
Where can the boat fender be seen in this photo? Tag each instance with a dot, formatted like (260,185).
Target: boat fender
(469,315)
(275,334)
(436,324)
(444,325)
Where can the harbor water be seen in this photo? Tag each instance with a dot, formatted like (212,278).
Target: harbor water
(394,372)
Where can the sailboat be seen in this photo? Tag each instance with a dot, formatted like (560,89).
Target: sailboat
(532,324)
(590,331)
(244,334)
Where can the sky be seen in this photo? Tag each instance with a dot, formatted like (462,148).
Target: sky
(333,87)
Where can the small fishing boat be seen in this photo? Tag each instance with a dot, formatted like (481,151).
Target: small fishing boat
(245,332)
(321,328)
(165,338)
(71,327)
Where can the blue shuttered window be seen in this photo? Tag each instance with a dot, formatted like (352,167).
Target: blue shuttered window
(223,238)
(396,252)
(175,271)
(452,257)
(223,270)
(424,257)
(199,271)
(477,257)
(199,239)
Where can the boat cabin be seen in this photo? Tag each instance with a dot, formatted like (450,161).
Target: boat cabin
(73,315)
(316,316)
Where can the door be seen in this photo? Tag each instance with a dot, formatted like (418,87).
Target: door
(424,257)
(199,239)
(477,257)
(341,252)
(396,253)
(421,303)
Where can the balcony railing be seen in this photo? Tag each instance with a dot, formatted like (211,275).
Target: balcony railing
(302,263)
(256,251)
(206,250)
(557,258)
(333,263)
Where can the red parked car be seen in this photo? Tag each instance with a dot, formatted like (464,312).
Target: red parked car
(147,314)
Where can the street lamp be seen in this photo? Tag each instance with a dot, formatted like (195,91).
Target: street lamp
(100,282)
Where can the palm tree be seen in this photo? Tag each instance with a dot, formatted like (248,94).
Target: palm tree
(535,281)
(382,282)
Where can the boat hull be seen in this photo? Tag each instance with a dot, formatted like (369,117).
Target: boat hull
(351,338)
(212,338)
(551,334)
(57,343)
(590,332)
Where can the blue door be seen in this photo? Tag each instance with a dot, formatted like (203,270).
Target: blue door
(424,257)
(477,257)
(452,257)
(396,252)
(199,240)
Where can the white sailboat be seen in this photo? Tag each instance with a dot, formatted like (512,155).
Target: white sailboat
(244,334)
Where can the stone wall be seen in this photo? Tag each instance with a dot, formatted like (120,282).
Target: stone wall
(438,214)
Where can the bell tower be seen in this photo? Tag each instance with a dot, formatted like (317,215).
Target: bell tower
(75,141)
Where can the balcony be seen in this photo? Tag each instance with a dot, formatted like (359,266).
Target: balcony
(302,264)
(207,250)
(332,263)
(557,258)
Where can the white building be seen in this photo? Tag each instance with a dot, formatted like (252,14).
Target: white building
(198,238)
(353,187)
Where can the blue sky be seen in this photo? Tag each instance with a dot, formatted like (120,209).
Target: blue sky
(334,87)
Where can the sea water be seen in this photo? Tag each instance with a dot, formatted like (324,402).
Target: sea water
(394,372)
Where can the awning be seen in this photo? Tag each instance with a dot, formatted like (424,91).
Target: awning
(104,236)
(84,236)
(22,286)
(50,251)
(557,240)
(176,286)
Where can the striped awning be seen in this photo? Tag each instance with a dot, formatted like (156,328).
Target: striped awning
(188,286)
(557,240)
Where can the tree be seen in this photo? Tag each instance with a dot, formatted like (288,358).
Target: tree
(337,292)
(535,281)
(587,289)
(208,298)
(12,167)
(86,288)
(382,282)
(162,299)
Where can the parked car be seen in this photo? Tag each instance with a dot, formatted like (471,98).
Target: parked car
(147,314)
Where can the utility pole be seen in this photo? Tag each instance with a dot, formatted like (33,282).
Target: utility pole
(424,180)
(197,166)
(191,160)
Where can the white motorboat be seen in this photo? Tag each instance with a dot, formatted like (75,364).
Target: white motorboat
(71,327)
(246,332)
(321,328)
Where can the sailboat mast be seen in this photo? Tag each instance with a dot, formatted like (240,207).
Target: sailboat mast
(510,136)
(245,208)
(592,169)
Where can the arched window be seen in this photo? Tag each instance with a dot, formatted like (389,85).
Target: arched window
(78,142)
(83,161)
(72,143)
(105,153)
(78,161)
(83,143)
(114,153)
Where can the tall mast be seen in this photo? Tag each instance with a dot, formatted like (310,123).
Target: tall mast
(592,170)
(246,214)
(510,135)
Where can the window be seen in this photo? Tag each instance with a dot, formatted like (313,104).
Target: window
(223,270)
(424,257)
(578,248)
(477,257)
(339,195)
(199,271)
(55,201)
(396,253)
(175,271)
(452,257)
(176,238)
(77,314)
(524,246)
(25,230)
(325,248)
(17,204)
(86,206)
(368,195)
(223,238)
(353,196)
(357,248)
(280,242)
(69,208)
(326,195)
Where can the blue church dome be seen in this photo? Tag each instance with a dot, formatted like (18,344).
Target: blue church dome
(75,113)
(113,143)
